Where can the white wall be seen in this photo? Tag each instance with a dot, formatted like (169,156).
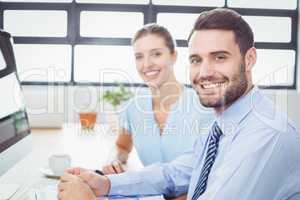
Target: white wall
(65,103)
(287,101)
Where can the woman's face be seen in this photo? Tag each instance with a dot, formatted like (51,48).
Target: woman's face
(154,60)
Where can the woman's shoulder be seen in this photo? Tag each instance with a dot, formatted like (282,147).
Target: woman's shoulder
(192,103)
(139,101)
(189,93)
(190,97)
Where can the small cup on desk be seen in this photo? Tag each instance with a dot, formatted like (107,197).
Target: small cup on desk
(58,163)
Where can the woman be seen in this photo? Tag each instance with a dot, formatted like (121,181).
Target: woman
(162,121)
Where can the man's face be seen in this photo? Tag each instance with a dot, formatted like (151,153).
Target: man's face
(217,70)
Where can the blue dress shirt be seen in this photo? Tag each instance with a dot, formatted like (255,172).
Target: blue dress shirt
(258,159)
(182,127)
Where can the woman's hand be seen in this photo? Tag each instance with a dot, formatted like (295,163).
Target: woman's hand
(114,168)
(120,154)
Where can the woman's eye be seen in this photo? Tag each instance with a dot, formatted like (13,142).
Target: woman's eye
(156,54)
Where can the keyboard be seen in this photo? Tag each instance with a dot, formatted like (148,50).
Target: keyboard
(45,193)
(8,190)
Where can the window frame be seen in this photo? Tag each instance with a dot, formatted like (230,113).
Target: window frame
(150,12)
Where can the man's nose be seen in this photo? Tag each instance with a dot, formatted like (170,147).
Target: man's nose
(206,71)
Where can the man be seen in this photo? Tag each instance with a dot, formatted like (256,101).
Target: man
(252,152)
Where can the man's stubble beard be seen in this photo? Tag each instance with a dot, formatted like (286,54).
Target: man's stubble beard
(239,85)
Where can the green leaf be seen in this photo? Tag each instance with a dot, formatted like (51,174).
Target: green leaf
(117,95)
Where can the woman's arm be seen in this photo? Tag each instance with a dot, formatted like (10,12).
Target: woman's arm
(124,146)
(183,197)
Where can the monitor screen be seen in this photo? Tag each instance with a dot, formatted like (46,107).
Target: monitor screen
(14,126)
(13,119)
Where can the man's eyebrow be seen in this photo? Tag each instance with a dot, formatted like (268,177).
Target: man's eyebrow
(212,53)
(193,56)
(220,52)
(138,53)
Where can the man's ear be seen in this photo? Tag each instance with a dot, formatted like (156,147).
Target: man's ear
(250,58)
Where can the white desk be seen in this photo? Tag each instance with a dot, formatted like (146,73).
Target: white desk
(89,150)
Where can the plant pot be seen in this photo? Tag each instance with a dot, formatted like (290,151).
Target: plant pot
(88,120)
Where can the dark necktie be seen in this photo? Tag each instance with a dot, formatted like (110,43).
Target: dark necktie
(210,157)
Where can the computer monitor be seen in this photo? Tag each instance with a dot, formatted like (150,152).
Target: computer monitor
(15,138)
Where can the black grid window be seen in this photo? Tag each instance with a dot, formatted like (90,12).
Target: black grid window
(87,42)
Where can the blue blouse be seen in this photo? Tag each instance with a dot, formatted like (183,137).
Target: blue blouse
(184,124)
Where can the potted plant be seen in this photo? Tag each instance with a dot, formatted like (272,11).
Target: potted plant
(88,120)
(115,98)
(87,112)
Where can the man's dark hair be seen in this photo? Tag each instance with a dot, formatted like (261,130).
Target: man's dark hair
(226,19)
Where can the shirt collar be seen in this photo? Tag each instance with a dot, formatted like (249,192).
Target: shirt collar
(230,119)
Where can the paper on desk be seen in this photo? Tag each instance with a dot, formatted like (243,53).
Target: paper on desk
(48,193)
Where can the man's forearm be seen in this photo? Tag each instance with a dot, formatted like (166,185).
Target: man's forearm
(148,181)
(155,179)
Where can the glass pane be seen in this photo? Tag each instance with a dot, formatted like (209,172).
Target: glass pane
(105,64)
(179,25)
(274,67)
(280,27)
(181,67)
(46,63)
(215,3)
(121,24)
(36,23)
(274,4)
(115,1)
(50,1)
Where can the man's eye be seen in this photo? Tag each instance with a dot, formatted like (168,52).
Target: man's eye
(195,61)
(220,57)
(138,57)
